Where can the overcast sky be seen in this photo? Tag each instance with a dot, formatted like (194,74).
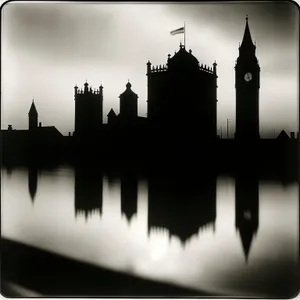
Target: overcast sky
(47,48)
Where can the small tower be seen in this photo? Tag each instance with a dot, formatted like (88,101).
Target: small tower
(86,87)
(128,103)
(111,116)
(33,117)
(215,68)
(101,92)
(88,110)
(148,67)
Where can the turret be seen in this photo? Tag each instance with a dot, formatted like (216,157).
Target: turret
(33,117)
(101,91)
(86,87)
(215,68)
(128,103)
(148,67)
(169,57)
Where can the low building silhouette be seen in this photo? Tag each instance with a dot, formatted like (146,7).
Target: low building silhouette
(38,144)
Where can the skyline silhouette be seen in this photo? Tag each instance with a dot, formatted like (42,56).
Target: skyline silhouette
(266,34)
(89,110)
(164,136)
(152,146)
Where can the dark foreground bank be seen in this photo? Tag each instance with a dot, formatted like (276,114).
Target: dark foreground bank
(48,274)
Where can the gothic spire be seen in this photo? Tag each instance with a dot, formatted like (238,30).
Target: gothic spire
(32,109)
(247,40)
(247,47)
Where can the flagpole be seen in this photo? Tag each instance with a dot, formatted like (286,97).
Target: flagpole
(184,34)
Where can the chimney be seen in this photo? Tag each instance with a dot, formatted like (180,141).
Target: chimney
(9,127)
(69,133)
(292,135)
(40,124)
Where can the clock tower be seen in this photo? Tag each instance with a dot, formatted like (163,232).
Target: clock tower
(247,72)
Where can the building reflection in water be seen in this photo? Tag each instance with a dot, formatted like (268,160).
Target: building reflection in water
(246,211)
(88,192)
(129,195)
(182,206)
(177,205)
(32,182)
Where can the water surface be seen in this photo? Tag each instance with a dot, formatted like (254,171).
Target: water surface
(234,237)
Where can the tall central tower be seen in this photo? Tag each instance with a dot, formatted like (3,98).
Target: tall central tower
(182,97)
(247,78)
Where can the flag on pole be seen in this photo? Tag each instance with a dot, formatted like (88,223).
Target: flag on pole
(177,31)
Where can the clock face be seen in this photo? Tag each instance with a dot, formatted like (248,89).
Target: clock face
(248,76)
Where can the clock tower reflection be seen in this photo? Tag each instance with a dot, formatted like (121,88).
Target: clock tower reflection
(246,211)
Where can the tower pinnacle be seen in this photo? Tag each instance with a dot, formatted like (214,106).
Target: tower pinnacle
(247,39)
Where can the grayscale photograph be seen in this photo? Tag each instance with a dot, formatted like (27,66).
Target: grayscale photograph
(150,149)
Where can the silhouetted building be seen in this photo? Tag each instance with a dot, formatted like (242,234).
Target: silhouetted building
(247,83)
(129,195)
(111,117)
(128,111)
(182,96)
(182,205)
(88,110)
(33,117)
(33,146)
(88,192)
(246,211)
(32,181)
(128,104)
(283,136)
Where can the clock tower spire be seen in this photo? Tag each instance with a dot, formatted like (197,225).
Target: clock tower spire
(247,78)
